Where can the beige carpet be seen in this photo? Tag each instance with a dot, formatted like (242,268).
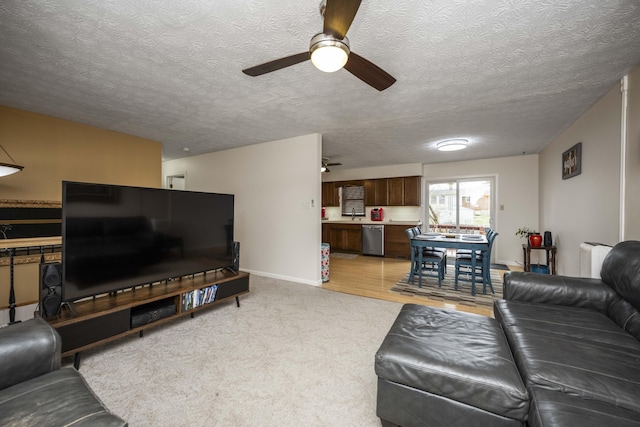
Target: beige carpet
(291,355)
(448,293)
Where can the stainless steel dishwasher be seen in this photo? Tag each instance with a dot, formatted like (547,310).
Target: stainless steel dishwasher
(373,240)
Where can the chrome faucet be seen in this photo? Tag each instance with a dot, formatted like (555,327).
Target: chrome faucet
(353,214)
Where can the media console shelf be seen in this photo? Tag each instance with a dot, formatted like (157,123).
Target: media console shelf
(109,317)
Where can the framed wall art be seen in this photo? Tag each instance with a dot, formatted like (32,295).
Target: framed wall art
(572,161)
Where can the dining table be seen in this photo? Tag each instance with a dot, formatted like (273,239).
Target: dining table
(478,243)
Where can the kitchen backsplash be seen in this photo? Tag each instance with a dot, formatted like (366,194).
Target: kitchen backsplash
(391,213)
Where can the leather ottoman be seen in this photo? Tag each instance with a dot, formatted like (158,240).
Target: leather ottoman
(440,367)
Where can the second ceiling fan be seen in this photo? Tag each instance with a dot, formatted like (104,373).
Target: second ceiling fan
(329,51)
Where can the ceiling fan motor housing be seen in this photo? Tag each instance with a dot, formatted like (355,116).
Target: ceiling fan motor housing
(322,40)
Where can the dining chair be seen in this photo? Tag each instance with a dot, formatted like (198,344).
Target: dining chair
(431,261)
(434,251)
(463,268)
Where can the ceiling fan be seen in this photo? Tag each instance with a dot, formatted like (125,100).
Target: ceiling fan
(325,165)
(329,50)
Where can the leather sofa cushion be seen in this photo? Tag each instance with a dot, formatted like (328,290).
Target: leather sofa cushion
(570,323)
(573,350)
(554,409)
(621,271)
(58,398)
(460,356)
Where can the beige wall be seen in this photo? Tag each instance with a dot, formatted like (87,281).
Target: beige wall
(632,160)
(52,150)
(277,204)
(585,207)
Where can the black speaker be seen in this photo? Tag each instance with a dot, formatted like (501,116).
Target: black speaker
(236,256)
(50,275)
(548,241)
(51,288)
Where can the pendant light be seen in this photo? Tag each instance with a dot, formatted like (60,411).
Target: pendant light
(9,168)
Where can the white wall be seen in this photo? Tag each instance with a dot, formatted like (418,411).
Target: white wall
(391,171)
(517,191)
(587,206)
(277,205)
(632,160)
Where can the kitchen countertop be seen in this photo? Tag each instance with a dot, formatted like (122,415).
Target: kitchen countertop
(364,221)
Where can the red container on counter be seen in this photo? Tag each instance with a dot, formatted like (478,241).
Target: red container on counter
(377,214)
(324,213)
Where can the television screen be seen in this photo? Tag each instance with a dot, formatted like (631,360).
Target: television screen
(115,237)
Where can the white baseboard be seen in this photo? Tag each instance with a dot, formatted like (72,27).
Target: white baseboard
(287,278)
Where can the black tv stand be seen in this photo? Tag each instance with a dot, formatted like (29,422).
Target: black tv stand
(95,321)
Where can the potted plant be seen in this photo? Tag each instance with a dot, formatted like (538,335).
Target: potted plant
(534,238)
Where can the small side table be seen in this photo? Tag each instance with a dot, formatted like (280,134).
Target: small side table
(551,256)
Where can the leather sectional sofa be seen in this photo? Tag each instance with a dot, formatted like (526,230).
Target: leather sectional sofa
(573,344)
(34,391)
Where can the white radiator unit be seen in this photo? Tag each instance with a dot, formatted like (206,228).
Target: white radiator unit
(591,257)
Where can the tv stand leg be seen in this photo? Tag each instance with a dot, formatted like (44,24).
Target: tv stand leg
(76,361)
(237,301)
(141,334)
(71,307)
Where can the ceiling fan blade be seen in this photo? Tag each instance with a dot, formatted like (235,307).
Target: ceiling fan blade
(333,164)
(368,72)
(277,64)
(338,16)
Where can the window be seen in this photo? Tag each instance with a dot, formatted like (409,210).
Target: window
(353,201)
(461,206)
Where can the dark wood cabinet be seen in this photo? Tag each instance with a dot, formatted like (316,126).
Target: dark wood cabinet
(330,194)
(396,242)
(370,192)
(381,192)
(411,191)
(396,191)
(343,237)
(400,191)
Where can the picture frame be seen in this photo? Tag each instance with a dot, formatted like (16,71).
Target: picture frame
(572,161)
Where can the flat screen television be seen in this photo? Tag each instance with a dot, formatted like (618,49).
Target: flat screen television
(116,237)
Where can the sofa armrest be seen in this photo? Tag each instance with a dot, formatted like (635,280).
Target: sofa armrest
(27,350)
(558,290)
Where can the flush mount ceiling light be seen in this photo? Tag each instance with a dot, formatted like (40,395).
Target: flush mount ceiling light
(452,144)
(9,168)
(328,53)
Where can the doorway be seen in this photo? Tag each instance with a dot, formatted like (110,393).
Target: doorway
(463,206)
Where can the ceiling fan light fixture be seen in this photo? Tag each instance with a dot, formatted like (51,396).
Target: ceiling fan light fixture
(328,53)
(452,144)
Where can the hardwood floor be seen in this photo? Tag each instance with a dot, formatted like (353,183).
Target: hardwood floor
(373,277)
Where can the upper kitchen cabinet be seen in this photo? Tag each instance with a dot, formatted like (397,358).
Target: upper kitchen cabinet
(330,194)
(381,192)
(376,192)
(411,191)
(396,191)
(401,191)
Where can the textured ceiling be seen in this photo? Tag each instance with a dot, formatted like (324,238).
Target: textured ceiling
(510,75)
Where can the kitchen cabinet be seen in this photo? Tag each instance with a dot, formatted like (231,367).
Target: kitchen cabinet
(381,192)
(411,191)
(330,194)
(370,192)
(343,237)
(396,191)
(404,191)
(396,242)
